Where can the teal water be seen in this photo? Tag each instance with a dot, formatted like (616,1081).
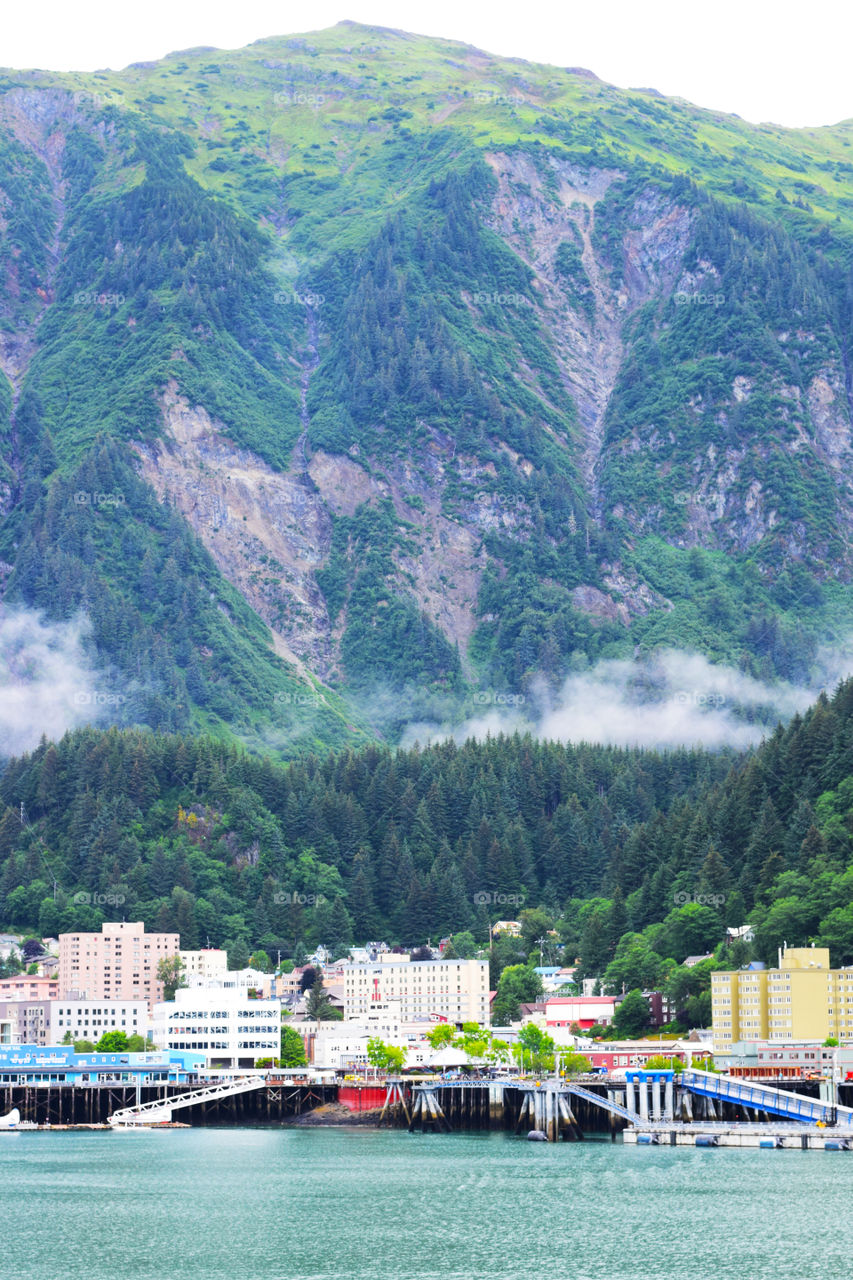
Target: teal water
(354,1204)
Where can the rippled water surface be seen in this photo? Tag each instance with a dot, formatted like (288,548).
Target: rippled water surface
(353,1204)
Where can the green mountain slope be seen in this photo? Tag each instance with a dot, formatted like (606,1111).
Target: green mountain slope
(635,859)
(389,371)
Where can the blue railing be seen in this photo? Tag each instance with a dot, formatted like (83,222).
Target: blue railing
(795,1105)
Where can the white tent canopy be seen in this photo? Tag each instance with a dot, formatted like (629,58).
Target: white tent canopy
(450,1057)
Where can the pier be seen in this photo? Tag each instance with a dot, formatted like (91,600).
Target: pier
(647,1108)
(268,1102)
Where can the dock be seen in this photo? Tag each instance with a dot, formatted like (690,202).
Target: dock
(647,1108)
(794,1137)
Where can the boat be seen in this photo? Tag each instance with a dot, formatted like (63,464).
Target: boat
(10,1121)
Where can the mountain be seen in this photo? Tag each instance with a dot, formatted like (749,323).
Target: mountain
(355,377)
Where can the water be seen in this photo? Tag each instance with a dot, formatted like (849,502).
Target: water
(354,1204)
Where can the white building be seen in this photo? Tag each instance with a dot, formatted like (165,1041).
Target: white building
(231,1030)
(457,990)
(210,963)
(90,1019)
(244,980)
(344,1044)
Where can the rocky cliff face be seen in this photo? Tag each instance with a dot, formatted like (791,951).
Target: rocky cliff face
(270,531)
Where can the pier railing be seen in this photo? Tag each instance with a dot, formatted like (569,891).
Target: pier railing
(764,1098)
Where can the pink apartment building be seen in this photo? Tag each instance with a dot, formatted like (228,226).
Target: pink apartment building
(119,963)
(27,987)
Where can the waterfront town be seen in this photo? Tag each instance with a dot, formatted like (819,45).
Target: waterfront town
(125,1005)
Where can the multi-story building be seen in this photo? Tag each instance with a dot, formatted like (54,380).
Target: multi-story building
(91,1019)
(119,963)
(801,999)
(456,990)
(25,986)
(342,1045)
(210,963)
(229,1029)
(29,1019)
(764,1060)
(47,1022)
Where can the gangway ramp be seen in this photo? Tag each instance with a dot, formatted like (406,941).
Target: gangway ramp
(160,1111)
(764,1098)
(608,1104)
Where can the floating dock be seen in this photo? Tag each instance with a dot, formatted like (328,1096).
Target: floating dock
(795,1137)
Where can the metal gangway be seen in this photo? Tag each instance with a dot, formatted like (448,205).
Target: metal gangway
(764,1098)
(160,1111)
(607,1103)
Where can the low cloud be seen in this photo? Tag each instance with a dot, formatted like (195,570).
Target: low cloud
(46,683)
(670,699)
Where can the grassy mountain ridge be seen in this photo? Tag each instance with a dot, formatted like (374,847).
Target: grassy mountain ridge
(454,372)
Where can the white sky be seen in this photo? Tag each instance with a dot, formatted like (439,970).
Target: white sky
(786,62)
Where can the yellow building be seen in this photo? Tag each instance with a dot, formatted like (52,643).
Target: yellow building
(801,999)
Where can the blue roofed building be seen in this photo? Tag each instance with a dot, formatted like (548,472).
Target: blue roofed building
(34,1064)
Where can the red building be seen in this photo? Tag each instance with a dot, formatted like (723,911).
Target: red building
(586,1011)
